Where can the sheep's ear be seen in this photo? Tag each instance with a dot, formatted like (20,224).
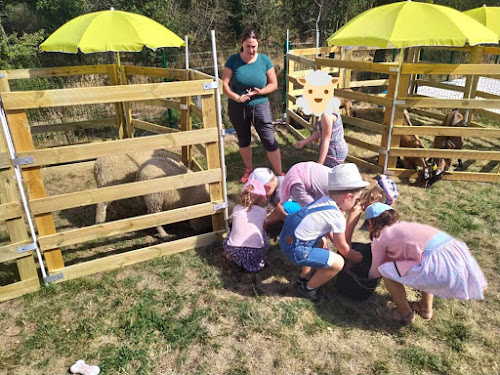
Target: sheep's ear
(456,117)
(302,80)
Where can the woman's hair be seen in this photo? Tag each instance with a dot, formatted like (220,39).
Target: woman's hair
(371,194)
(249,33)
(247,199)
(385,219)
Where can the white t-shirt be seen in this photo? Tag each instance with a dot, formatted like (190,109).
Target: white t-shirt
(317,224)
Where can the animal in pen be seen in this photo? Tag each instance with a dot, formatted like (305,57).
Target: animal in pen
(440,165)
(121,169)
(413,141)
(158,167)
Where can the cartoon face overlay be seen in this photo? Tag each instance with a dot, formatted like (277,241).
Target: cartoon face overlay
(318,90)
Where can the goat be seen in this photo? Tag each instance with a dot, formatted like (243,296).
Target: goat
(413,141)
(441,165)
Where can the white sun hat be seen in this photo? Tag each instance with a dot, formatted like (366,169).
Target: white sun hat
(264,175)
(345,177)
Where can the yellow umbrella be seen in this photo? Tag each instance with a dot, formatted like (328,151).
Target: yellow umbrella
(488,16)
(409,24)
(110,30)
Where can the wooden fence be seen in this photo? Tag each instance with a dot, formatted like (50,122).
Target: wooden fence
(177,94)
(400,80)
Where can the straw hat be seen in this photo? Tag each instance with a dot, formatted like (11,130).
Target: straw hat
(345,177)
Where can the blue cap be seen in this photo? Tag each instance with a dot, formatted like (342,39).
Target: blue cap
(376,209)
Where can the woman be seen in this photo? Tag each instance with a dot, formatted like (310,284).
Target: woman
(248,78)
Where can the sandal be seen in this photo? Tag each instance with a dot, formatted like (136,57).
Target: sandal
(424,313)
(392,314)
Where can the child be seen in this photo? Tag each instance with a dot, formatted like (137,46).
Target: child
(325,216)
(422,257)
(247,243)
(333,147)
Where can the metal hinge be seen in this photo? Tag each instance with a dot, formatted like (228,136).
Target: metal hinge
(389,173)
(26,248)
(400,102)
(22,161)
(211,85)
(220,206)
(394,69)
(382,151)
(223,131)
(2,75)
(184,107)
(52,278)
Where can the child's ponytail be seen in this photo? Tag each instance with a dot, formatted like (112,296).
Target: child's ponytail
(246,199)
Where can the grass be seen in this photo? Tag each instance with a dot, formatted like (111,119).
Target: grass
(195,313)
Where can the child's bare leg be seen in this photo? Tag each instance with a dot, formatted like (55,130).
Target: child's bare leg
(424,306)
(306,272)
(323,275)
(398,294)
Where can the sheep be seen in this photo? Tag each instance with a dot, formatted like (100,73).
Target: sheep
(158,167)
(121,169)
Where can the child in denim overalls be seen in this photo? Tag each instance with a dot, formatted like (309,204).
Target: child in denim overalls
(304,229)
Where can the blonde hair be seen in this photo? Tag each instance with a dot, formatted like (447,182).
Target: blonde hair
(373,193)
(248,199)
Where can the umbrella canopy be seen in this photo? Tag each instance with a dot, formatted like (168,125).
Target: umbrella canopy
(110,30)
(488,16)
(409,24)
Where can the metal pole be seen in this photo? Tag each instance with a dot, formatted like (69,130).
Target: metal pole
(19,180)
(285,101)
(393,108)
(317,42)
(187,51)
(221,129)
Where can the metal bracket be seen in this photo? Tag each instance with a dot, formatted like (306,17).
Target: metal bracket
(394,69)
(400,102)
(2,75)
(52,278)
(184,107)
(223,131)
(382,151)
(26,248)
(211,85)
(22,161)
(220,206)
(389,173)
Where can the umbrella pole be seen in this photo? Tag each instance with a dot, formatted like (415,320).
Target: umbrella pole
(125,116)
(393,110)
(221,130)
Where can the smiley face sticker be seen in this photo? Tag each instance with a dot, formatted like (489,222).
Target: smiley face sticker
(318,93)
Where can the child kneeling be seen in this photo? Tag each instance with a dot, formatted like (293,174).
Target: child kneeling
(247,243)
(304,230)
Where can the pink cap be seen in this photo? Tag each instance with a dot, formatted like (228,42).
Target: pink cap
(258,187)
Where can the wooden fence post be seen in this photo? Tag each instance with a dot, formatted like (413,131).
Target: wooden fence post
(476,57)
(120,118)
(186,124)
(209,113)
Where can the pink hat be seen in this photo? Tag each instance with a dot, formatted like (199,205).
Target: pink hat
(258,187)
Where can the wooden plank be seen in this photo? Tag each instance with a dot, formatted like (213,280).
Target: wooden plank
(447,131)
(441,153)
(365,124)
(33,183)
(94,232)
(294,80)
(491,50)
(367,83)
(66,154)
(62,71)
(434,115)
(164,103)
(4,161)
(196,111)
(449,176)
(300,120)
(312,51)
(458,69)
(71,126)
(291,98)
(448,48)
(359,65)
(122,191)
(364,164)
(9,252)
(98,95)
(439,85)
(11,210)
(136,256)
(294,131)
(374,99)
(153,128)
(487,95)
(147,71)
(19,289)
(301,60)
(365,145)
(448,103)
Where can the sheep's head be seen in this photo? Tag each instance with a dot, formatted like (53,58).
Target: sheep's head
(318,90)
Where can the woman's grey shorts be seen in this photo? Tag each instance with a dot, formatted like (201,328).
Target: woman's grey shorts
(243,116)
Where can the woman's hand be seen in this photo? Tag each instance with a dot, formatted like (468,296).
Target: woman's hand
(300,144)
(243,98)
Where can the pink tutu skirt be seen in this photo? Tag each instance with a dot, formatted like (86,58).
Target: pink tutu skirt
(448,270)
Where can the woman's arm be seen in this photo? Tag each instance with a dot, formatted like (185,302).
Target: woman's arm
(327,121)
(313,137)
(272,84)
(227,74)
